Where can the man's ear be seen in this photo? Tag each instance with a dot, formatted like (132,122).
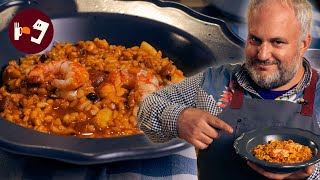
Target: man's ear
(305,44)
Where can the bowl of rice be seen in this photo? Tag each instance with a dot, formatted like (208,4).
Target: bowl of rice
(279,149)
(114,52)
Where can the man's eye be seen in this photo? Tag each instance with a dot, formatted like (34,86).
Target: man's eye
(278,42)
(254,40)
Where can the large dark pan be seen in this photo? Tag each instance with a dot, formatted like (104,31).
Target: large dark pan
(191,40)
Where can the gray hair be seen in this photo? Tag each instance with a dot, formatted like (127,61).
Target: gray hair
(302,9)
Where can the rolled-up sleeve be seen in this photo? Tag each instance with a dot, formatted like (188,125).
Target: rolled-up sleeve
(159,112)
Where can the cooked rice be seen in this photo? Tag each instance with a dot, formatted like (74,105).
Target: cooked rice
(282,152)
(94,111)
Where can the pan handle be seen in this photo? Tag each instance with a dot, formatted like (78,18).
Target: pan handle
(4,4)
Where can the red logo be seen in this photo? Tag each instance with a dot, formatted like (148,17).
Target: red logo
(31,31)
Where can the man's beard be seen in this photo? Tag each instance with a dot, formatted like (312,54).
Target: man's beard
(283,75)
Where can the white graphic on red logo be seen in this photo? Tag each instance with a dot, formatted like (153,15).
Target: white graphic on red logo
(38,25)
(41,26)
(17,31)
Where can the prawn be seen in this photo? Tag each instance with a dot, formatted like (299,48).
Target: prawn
(285,151)
(63,75)
(146,83)
(293,146)
(278,153)
(139,82)
(71,95)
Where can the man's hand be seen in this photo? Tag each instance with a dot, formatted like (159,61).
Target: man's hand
(302,174)
(199,127)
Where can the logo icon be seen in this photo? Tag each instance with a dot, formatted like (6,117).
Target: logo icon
(19,30)
(31,31)
(41,26)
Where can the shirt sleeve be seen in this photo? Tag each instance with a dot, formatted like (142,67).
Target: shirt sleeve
(316,173)
(158,113)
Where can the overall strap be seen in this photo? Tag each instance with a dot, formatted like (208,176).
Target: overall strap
(237,97)
(309,94)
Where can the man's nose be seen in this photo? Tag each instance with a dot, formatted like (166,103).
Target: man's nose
(264,51)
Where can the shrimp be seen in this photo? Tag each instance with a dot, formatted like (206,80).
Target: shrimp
(278,153)
(293,146)
(138,83)
(146,83)
(115,85)
(285,151)
(64,75)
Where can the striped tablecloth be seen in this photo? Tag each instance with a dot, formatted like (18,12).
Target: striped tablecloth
(177,166)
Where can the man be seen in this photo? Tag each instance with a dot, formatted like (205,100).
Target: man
(272,79)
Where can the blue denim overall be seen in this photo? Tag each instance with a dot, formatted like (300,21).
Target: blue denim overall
(219,161)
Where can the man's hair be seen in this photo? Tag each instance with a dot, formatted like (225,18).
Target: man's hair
(302,9)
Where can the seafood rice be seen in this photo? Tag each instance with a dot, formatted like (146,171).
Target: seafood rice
(89,89)
(282,152)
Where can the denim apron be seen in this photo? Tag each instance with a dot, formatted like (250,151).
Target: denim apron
(219,161)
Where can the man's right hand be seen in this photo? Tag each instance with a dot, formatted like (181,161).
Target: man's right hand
(199,127)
